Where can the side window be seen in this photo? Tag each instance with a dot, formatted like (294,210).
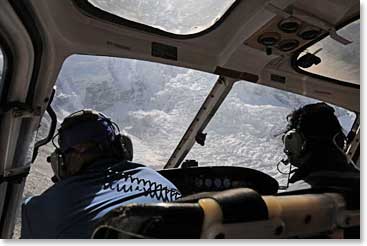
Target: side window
(247,128)
(333,59)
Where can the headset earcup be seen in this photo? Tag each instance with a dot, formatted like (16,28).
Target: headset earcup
(125,146)
(294,145)
(57,164)
(128,146)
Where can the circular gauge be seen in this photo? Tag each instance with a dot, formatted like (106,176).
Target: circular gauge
(208,183)
(198,182)
(217,183)
(227,183)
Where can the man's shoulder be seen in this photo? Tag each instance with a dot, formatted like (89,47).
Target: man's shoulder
(33,206)
(53,198)
(43,200)
(143,170)
(134,172)
(112,163)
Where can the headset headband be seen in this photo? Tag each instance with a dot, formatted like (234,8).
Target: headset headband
(314,121)
(86,126)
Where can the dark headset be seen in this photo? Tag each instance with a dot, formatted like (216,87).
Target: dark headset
(296,144)
(119,144)
(294,141)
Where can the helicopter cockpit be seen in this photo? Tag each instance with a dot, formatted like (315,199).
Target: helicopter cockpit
(203,89)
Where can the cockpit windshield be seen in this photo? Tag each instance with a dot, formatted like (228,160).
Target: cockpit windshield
(152,103)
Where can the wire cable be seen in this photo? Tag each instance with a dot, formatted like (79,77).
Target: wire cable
(288,173)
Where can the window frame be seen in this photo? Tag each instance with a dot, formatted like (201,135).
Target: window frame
(7,71)
(88,9)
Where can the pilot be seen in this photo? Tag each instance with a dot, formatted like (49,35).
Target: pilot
(93,174)
(314,143)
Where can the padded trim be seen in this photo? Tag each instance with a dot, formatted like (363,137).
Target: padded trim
(238,205)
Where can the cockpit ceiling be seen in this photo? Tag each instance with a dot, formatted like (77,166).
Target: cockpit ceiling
(238,23)
(231,44)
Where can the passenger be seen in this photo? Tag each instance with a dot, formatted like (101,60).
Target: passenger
(314,143)
(94,175)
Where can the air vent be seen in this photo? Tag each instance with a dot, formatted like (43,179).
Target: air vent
(288,44)
(164,51)
(277,78)
(269,38)
(309,32)
(289,25)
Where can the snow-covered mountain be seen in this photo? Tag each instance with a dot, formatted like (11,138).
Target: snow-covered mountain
(154,104)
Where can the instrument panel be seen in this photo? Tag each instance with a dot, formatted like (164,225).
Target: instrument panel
(193,180)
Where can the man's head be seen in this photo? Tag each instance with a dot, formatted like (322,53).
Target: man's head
(86,127)
(86,136)
(309,129)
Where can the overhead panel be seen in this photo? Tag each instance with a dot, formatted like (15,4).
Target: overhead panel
(283,35)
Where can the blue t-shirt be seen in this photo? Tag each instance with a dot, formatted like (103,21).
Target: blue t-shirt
(72,207)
